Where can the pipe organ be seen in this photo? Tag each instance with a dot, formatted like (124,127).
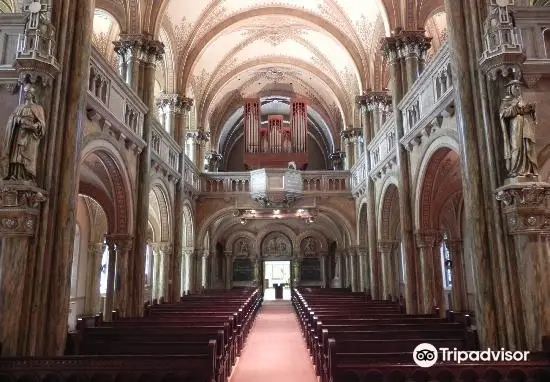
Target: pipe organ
(275,142)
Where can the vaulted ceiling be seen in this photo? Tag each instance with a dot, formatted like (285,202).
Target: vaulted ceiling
(220,51)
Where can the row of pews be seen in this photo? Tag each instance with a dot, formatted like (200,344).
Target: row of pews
(195,340)
(352,338)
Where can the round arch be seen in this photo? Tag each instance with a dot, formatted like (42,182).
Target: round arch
(188,237)
(362,224)
(388,214)
(434,155)
(104,177)
(159,194)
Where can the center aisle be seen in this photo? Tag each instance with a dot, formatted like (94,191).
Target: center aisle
(275,350)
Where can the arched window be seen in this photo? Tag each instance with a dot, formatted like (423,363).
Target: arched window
(446,263)
(104,271)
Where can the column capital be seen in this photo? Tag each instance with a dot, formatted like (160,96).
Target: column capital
(454,246)
(527,207)
(175,103)
(387,246)
(375,100)
(19,208)
(427,239)
(123,242)
(213,159)
(146,49)
(198,136)
(390,49)
(337,159)
(351,133)
(413,43)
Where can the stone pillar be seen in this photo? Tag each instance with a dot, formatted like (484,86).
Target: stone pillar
(351,138)
(337,160)
(228,269)
(460,301)
(167,271)
(156,248)
(352,265)
(181,106)
(151,52)
(323,261)
(428,290)
(296,263)
(123,276)
(195,147)
(187,277)
(110,292)
(389,283)
(362,266)
(93,278)
(128,50)
(204,270)
(463,21)
(391,51)
(337,280)
(413,46)
(526,206)
(370,105)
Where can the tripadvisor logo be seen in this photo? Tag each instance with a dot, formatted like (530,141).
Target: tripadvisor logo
(426,355)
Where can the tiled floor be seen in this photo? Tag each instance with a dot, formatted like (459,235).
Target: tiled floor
(275,349)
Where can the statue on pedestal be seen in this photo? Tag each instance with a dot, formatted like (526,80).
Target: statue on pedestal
(26,127)
(518,122)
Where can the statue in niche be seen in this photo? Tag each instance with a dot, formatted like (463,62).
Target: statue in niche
(518,122)
(310,245)
(244,247)
(26,127)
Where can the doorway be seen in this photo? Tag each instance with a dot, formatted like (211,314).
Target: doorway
(276,272)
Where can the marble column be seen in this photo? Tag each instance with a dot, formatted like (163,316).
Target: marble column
(386,249)
(425,242)
(337,280)
(461,18)
(413,46)
(167,269)
(391,51)
(352,266)
(362,268)
(296,270)
(323,263)
(110,292)
(228,269)
(180,106)
(123,298)
(151,52)
(460,301)
(128,50)
(156,249)
(204,270)
(196,141)
(188,267)
(351,138)
(526,205)
(93,278)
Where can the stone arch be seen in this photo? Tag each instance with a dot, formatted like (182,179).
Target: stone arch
(279,227)
(317,235)
(233,237)
(159,196)
(188,226)
(440,157)
(388,214)
(104,177)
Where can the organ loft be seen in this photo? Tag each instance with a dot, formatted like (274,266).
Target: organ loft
(274,190)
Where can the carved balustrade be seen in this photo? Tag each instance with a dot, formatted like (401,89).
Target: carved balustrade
(429,100)
(191,177)
(323,182)
(165,152)
(358,175)
(226,182)
(112,103)
(382,149)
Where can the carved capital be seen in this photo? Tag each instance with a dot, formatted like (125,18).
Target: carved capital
(390,49)
(174,103)
(123,243)
(130,46)
(19,208)
(386,247)
(413,43)
(198,136)
(527,207)
(427,239)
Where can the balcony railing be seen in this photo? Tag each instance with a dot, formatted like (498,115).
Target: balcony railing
(165,151)
(429,100)
(326,182)
(113,103)
(191,176)
(382,149)
(358,174)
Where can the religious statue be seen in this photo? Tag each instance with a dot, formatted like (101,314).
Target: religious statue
(292,165)
(518,122)
(244,247)
(26,127)
(310,245)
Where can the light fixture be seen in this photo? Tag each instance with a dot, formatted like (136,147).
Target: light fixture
(276,212)
(243,221)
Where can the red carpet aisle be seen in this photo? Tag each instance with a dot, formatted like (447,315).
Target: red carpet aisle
(275,350)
